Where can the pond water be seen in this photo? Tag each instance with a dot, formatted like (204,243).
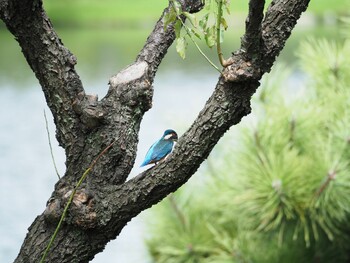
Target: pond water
(27,175)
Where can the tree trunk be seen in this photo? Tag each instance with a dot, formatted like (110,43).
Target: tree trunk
(106,201)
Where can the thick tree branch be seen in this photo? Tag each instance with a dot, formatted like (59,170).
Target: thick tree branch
(280,19)
(226,107)
(105,202)
(260,47)
(159,39)
(145,67)
(129,97)
(52,63)
(116,118)
(251,41)
(245,63)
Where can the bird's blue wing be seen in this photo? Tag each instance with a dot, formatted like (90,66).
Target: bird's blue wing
(148,157)
(158,151)
(161,149)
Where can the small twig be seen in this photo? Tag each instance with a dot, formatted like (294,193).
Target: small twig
(331,176)
(260,148)
(82,178)
(292,131)
(177,211)
(51,151)
(223,62)
(193,41)
(200,51)
(332,173)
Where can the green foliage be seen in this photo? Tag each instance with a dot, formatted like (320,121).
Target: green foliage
(208,24)
(203,28)
(194,235)
(280,193)
(330,69)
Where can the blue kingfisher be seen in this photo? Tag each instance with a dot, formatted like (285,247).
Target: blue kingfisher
(161,148)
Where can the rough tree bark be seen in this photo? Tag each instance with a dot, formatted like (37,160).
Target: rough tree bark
(85,125)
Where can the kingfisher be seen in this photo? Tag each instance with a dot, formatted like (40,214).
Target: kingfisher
(161,148)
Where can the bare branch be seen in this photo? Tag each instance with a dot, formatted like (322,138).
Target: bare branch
(251,41)
(280,18)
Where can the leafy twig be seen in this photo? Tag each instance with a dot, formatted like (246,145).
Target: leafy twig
(199,49)
(188,31)
(71,199)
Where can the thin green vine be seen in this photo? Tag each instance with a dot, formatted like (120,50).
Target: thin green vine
(218,34)
(51,151)
(81,180)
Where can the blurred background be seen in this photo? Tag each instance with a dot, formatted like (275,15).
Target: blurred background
(106,36)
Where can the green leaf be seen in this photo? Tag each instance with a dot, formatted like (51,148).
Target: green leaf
(181,46)
(192,18)
(221,35)
(226,4)
(168,18)
(224,23)
(177,28)
(208,4)
(204,22)
(177,6)
(210,36)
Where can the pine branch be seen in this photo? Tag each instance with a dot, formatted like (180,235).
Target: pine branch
(177,211)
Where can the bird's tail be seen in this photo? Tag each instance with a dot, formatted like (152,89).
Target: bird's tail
(145,162)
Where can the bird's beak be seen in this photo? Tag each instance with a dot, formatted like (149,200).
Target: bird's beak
(175,137)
